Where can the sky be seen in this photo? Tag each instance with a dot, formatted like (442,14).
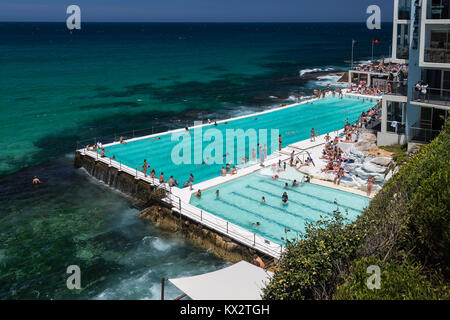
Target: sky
(195,10)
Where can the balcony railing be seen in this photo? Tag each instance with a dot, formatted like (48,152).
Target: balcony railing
(422,134)
(397,88)
(432,96)
(437,55)
(439,10)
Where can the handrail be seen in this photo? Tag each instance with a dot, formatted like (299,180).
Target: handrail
(226,228)
(433,96)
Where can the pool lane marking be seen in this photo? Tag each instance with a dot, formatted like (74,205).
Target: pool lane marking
(295,202)
(277,208)
(254,214)
(315,197)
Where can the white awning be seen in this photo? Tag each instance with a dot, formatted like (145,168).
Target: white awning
(241,281)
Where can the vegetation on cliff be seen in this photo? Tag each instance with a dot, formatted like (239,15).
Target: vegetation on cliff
(405,231)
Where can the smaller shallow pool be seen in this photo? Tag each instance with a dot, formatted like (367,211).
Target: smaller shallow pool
(239,202)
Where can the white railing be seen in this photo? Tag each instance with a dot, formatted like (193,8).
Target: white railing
(239,234)
(222,226)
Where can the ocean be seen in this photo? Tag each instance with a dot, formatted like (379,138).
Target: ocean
(58,89)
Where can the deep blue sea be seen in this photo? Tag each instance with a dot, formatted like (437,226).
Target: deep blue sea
(58,88)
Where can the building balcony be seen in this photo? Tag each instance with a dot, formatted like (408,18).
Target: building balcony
(397,88)
(437,55)
(436,97)
(423,135)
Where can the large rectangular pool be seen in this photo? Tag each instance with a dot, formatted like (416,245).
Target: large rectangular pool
(239,202)
(294,124)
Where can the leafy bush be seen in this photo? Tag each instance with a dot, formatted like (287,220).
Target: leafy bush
(405,229)
(399,281)
(311,265)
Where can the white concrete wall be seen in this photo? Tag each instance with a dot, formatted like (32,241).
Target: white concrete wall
(390,138)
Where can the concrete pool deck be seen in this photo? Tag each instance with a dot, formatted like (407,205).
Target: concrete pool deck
(179,198)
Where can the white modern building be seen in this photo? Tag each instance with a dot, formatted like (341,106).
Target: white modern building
(421,38)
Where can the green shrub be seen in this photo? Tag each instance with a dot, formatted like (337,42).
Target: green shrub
(405,229)
(311,265)
(399,281)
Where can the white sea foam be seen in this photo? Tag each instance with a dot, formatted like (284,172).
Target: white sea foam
(156,243)
(306,71)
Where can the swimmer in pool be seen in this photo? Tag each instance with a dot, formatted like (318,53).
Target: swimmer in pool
(257,224)
(284,198)
(286,185)
(156,139)
(198,194)
(217,194)
(263,200)
(294,184)
(36,180)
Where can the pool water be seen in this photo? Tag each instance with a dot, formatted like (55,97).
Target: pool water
(239,202)
(294,124)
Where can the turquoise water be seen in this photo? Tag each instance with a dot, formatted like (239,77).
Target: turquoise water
(294,124)
(57,88)
(240,203)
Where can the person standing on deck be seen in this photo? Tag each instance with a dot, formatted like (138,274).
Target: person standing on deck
(145,167)
(161,178)
(191,181)
(261,156)
(313,135)
(370,182)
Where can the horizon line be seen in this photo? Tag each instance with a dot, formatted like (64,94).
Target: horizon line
(181,21)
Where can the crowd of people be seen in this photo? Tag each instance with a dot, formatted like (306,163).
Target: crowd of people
(396,78)
(335,156)
(382,67)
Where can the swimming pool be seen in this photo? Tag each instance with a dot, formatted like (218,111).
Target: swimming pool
(239,202)
(293,123)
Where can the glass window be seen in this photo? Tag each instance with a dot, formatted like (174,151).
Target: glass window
(403,41)
(395,118)
(439,9)
(404,9)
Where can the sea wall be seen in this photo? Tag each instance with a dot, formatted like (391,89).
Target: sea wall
(221,246)
(162,215)
(119,180)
